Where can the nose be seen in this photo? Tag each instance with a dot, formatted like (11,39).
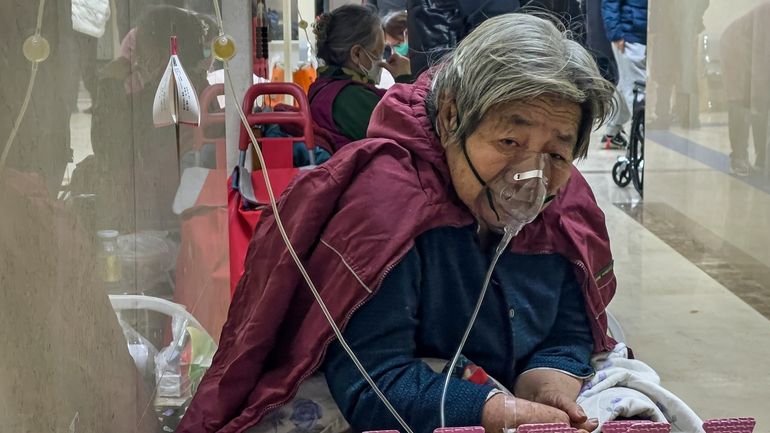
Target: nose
(530,165)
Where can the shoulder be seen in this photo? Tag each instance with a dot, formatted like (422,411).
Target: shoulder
(354,92)
(383,167)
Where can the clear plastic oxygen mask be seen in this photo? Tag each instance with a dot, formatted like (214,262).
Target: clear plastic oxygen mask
(514,197)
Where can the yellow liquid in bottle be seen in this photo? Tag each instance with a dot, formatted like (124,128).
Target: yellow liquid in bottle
(111,269)
(223,47)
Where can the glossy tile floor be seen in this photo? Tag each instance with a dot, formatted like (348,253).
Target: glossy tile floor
(683,258)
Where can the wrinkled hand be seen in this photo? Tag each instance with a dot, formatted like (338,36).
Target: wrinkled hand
(528,412)
(503,411)
(398,65)
(620,44)
(577,418)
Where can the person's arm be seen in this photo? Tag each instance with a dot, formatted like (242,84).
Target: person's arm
(352,109)
(383,336)
(611,16)
(554,374)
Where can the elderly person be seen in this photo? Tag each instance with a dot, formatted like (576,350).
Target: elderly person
(396,232)
(350,41)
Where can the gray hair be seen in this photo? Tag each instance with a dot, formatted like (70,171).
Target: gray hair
(339,30)
(515,57)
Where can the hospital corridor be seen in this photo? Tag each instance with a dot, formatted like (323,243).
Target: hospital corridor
(385,216)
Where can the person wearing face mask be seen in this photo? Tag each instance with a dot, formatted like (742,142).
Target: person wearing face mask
(394,25)
(397,232)
(350,42)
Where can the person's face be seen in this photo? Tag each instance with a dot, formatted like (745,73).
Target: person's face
(360,56)
(510,133)
(393,41)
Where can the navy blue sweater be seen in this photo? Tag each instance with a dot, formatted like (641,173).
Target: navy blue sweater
(533,316)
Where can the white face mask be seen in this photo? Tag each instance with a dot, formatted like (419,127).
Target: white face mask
(374,73)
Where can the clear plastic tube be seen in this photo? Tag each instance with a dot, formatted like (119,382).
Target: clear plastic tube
(295,257)
(510,414)
(508,234)
(27,96)
(311,285)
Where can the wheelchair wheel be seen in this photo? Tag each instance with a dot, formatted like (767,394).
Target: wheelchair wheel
(637,151)
(621,173)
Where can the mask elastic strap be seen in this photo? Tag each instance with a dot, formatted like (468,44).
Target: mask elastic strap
(481,181)
(470,164)
(361,67)
(492,203)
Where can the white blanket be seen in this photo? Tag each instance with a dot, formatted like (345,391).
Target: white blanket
(626,388)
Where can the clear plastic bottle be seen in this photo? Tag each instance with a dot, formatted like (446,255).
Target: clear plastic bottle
(109,262)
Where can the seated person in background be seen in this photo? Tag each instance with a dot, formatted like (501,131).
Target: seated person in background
(416,210)
(350,42)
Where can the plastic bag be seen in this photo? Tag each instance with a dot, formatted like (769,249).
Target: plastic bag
(146,258)
(180,366)
(142,351)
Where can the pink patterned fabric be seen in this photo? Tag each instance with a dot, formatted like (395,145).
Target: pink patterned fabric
(620,426)
(545,428)
(730,425)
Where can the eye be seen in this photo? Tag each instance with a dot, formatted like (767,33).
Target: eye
(509,142)
(560,161)
(558,157)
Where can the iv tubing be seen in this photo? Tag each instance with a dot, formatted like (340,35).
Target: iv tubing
(27,97)
(282,230)
(507,236)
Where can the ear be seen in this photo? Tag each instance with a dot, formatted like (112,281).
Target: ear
(355,52)
(447,117)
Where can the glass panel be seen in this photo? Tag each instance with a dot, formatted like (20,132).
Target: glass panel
(707,186)
(708,116)
(98,205)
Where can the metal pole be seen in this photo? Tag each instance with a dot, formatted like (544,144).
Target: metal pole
(287,21)
(236,15)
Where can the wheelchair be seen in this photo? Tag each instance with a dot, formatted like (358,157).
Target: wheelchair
(630,168)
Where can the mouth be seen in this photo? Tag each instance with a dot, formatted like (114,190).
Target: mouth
(515,212)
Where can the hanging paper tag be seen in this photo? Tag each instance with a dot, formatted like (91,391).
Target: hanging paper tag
(176,100)
(163,110)
(188,108)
